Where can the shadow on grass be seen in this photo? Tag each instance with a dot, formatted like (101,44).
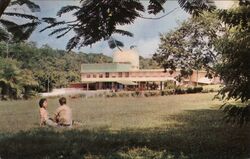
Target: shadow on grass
(193,134)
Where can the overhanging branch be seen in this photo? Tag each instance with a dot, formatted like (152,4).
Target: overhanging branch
(3,5)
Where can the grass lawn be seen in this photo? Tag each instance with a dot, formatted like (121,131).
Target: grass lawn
(180,126)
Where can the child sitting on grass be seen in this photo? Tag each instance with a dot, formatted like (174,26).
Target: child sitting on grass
(44,119)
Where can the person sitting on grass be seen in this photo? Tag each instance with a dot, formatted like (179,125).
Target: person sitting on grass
(63,115)
(44,118)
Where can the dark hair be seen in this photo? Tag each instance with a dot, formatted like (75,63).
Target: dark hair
(41,102)
(62,101)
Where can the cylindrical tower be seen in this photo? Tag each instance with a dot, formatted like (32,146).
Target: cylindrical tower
(127,56)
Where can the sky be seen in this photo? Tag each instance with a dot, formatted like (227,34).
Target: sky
(146,32)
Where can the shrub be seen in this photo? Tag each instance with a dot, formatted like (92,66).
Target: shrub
(170,85)
(114,95)
(30,94)
(197,89)
(154,93)
(169,92)
(123,94)
(137,93)
(179,91)
(134,94)
(190,90)
(147,94)
(211,90)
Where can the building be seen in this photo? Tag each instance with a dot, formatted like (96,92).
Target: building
(225,4)
(124,73)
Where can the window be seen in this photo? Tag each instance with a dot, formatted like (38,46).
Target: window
(100,76)
(126,74)
(88,75)
(94,76)
(107,75)
(120,74)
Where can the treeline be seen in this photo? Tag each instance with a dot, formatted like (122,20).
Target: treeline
(148,63)
(26,69)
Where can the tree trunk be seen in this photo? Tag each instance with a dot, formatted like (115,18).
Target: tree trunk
(3,5)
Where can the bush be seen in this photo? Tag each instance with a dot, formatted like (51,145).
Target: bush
(147,94)
(188,90)
(179,91)
(167,92)
(197,89)
(170,85)
(153,93)
(137,93)
(123,94)
(112,95)
(30,94)
(134,94)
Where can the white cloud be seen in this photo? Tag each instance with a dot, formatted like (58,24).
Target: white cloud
(147,47)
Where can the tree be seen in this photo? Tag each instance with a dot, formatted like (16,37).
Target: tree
(13,80)
(234,68)
(40,69)
(9,79)
(191,46)
(19,31)
(113,43)
(230,51)
(97,20)
(28,83)
(148,63)
(3,5)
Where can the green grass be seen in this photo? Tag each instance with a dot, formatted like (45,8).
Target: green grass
(183,126)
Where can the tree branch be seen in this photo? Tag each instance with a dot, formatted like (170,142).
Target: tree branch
(3,5)
(160,16)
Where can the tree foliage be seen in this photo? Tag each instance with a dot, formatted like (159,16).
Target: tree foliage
(148,63)
(97,20)
(13,80)
(190,47)
(113,43)
(225,46)
(234,68)
(19,31)
(30,69)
